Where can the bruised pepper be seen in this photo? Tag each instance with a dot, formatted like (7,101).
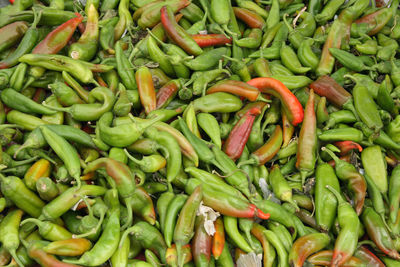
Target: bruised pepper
(307,147)
(239,135)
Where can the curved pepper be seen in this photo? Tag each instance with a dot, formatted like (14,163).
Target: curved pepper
(266,152)
(377,231)
(291,104)
(305,246)
(347,172)
(177,33)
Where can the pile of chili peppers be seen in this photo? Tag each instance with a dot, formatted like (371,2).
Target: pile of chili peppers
(200,133)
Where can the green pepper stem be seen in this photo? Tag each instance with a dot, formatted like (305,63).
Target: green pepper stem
(336,193)
(128,231)
(93,231)
(250,161)
(13,253)
(56,108)
(135,160)
(35,221)
(333,156)
(128,205)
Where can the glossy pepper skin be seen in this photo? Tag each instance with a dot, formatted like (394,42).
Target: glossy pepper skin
(307,148)
(239,135)
(86,47)
(177,33)
(378,233)
(13,33)
(292,106)
(146,89)
(267,151)
(58,38)
(305,246)
(357,184)
(346,242)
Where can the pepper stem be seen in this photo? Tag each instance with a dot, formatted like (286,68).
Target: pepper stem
(128,231)
(250,161)
(330,152)
(32,220)
(128,205)
(290,28)
(135,160)
(336,193)
(156,38)
(56,108)
(14,255)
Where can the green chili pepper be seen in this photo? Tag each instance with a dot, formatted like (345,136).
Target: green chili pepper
(9,228)
(325,203)
(108,241)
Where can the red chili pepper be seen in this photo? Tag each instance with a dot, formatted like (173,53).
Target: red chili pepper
(346,146)
(146,89)
(177,33)
(218,241)
(59,37)
(251,19)
(166,93)
(288,129)
(212,39)
(237,88)
(334,92)
(239,135)
(290,103)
